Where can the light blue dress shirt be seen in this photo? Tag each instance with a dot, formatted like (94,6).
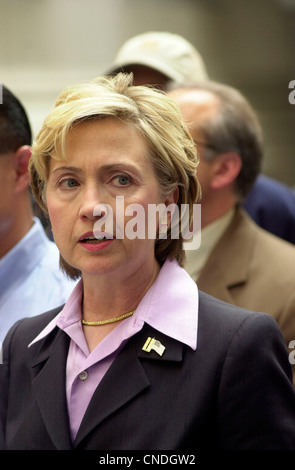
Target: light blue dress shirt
(31,281)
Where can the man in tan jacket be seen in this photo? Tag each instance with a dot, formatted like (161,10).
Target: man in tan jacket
(237,262)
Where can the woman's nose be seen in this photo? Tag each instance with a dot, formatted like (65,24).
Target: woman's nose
(92,205)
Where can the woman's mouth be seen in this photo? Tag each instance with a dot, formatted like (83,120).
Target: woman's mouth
(96,242)
(93,240)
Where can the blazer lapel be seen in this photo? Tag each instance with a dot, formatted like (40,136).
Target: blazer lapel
(228,264)
(212,282)
(125,379)
(49,388)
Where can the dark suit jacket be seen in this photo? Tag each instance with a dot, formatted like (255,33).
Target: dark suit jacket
(233,392)
(272,205)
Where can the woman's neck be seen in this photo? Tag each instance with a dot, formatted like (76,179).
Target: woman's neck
(110,296)
(107,297)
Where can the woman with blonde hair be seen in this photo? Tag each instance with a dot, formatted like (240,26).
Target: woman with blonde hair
(137,358)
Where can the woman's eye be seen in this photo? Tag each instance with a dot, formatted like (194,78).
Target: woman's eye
(68,183)
(122,180)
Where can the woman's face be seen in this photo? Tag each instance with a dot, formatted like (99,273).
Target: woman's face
(106,163)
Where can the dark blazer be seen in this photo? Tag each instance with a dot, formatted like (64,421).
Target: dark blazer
(233,392)
(271,204)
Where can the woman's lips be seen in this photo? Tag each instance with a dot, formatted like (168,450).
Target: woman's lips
(96,245)
(96,241)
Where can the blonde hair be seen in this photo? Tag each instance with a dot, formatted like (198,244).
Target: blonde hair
(156,116)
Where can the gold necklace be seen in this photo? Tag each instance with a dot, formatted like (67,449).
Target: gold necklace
(106,322)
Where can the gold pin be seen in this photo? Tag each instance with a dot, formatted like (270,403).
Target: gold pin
(152,343)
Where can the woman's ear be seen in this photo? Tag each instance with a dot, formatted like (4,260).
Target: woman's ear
(170,202)
(172,197)
(227,167)
(22,157)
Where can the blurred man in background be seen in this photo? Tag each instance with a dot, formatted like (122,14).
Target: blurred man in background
(237,262)
(158,58)
(31,281)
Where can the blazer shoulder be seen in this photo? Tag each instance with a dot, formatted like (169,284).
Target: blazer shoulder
(250,239)
(227,327)
(220,317)
(27,329)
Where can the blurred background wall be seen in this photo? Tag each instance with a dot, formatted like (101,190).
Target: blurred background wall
(249,44)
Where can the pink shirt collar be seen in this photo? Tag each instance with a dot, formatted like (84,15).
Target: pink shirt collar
(170,306)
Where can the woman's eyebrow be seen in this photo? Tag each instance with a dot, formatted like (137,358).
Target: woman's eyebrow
(74,169)
(105,168)
(119,166)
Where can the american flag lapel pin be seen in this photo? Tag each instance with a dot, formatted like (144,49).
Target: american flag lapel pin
(155,345)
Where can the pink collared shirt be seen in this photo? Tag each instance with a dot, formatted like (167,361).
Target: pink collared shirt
(169,306)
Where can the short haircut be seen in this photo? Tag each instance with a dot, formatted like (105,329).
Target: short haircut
(156,116)
(15,129)
(234,127)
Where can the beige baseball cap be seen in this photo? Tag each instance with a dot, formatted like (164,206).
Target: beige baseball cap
(168,53)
